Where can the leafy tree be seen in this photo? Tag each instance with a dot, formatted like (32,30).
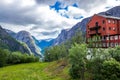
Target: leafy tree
(77,59)
(115,53)
(55,53)
(110,70)
(3,57)
(78,38)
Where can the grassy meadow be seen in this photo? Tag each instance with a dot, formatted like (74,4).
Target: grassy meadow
(57,70)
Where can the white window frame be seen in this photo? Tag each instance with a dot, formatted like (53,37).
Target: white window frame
(109,21)
(116,37)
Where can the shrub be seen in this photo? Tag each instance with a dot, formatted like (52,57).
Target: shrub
(111,70)
(18,57)
(77,59)
(3,57)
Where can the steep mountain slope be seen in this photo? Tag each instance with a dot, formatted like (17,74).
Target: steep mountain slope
(67,34)
(61,37)
(42,44)
(7,42)
(26,37)
(11,33)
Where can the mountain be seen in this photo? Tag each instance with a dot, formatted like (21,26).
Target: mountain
(61,37)
(41,44)
(26,37)
(8,42)
(11,33)
(81,26)
(67,34)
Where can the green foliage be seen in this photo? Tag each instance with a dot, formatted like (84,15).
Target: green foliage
(115,53)
(77,59)
(17,57)
(7,42)
(35,71)
(110,70)
(101,64)
(55,53)
(3,57)
(78,38)
(7,57)
(61,51)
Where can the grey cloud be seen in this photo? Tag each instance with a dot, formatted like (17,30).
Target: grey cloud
(34,28)
(49,33)
(51,2)
(83,4)
(15,14)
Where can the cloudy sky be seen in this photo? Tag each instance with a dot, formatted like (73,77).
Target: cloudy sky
(45,19)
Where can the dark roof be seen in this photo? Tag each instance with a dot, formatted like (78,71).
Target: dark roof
(107,16)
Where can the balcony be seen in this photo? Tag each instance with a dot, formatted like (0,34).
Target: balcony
(94,28)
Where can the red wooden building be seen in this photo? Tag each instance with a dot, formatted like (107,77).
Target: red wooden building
(103,31)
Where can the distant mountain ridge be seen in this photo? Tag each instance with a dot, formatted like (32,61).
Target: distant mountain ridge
(39,45)
(8,42)
(81,26)
(26,37)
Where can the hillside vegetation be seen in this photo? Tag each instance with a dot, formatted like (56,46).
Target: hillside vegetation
(57,70)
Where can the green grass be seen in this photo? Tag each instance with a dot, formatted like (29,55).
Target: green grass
(57,70)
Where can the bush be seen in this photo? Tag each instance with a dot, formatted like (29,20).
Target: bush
(77,59)
(15,58)
(7,57)
(55,53)
(111,70)
(74,72)
(3,57)
(18,57)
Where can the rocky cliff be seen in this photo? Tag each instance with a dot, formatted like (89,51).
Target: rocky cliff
(26,37)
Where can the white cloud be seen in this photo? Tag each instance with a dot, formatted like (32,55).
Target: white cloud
(73,12)
(43,22)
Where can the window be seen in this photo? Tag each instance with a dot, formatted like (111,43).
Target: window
(112,44)
(113,21)
(104,38)
(103,29)
(103,21)
(96,44)
(109,21)
(109,28)
(107,44)
(116,37)
(111,37)
(96,24)
(100,45)
(114,28)
(119,36)
(104,44)
(107,38)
